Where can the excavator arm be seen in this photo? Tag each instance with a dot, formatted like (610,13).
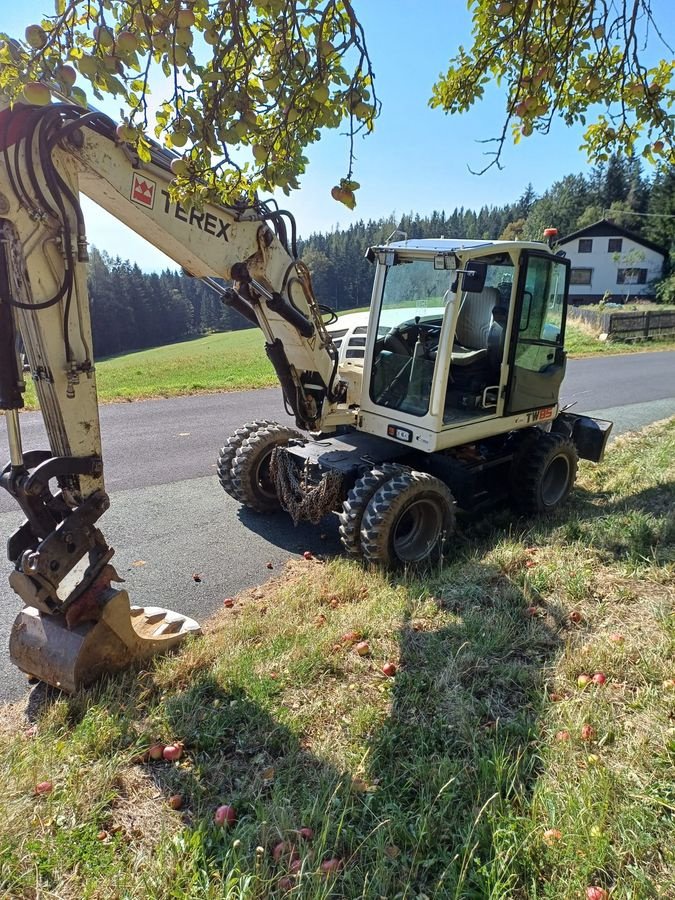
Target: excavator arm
(75,624)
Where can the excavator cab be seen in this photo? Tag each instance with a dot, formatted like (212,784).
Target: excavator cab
(463,334)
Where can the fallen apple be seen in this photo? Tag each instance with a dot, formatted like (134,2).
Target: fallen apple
(284,850)
(306,833)
(389,669)
(587,732)
(362,648)
(551,835)
(228,603)
(576,617)
(350,637)
(599,678)
(562,735)
(156,751)
(175,801)
(308,554)
(172,752)
(592,759)
(617,638)
(225,815)
(331,866)
(286,883)
(596,893)
(583,681)
(44,787)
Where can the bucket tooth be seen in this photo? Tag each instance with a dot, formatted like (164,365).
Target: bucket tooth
(43,646)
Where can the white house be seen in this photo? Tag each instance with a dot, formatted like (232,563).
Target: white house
(611,262)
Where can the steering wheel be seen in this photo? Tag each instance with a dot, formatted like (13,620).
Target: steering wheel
(402,338)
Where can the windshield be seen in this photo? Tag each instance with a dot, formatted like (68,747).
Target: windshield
(409,329)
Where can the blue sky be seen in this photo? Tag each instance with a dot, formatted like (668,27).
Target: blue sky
(417,159)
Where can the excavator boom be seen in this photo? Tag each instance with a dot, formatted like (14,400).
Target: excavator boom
(63,571)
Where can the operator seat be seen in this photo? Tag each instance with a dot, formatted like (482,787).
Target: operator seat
(473,327)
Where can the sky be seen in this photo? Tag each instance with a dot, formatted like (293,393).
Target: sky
(417,159)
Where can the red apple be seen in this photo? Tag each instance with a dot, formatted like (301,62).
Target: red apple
(308,554)
(576,617)
(175,801)
(44,787)
(228,603)
(156,751)
(389,669)
(362,648)
(617,638)
(306,833)
(599,678)
(350,637)
(331,866)
(225,815)
(587,732)
(286,883)
(533,611)
(596,893)
(562,735)
(172,752)
(284,850)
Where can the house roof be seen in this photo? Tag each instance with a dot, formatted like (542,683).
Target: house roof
(605,228)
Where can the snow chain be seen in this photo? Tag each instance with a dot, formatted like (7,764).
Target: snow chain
(298,497)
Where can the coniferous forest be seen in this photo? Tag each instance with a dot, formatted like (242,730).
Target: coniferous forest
(133,310)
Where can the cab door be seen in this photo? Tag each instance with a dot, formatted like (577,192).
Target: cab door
(536,353)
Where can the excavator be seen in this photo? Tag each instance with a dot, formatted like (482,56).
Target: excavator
(446,398)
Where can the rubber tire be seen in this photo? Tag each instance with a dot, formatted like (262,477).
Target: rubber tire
(251,455)
(229,451)
(531,466)
(358,498)
(386,511)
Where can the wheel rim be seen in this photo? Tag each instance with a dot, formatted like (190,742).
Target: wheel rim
(417,531)
(263,480)
(555,481)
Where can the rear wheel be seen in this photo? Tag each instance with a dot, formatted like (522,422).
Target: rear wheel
(252,484)
(354,506)
(543,473)
(408,521)
(229,451)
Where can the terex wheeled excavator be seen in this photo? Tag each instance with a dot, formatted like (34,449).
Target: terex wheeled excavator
(450,398)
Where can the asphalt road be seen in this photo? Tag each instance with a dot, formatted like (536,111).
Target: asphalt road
(169,511)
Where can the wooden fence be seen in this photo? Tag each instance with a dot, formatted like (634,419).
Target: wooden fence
(628,326)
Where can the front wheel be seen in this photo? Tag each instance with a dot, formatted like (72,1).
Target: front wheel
(543,473)
(408,521)
(252,483)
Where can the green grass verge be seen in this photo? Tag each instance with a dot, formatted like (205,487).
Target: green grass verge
(236,361)
(481,770)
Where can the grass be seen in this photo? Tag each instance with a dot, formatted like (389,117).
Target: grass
(467,775)
(236,361)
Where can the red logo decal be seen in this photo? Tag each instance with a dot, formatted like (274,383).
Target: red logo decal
(143,191)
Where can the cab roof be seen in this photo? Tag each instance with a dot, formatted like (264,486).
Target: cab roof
(447,245)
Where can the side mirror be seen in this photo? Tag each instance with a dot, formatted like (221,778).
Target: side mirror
(473,277)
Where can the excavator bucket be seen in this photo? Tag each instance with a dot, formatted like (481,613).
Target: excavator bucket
(69,656)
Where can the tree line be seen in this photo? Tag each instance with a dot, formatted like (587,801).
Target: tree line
(134,310)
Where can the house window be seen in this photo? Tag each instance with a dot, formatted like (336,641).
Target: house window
(581,276)
(631,276)
(585,245)
(614,245)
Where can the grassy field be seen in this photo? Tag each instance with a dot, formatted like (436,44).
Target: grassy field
(235,361)
(481,769)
